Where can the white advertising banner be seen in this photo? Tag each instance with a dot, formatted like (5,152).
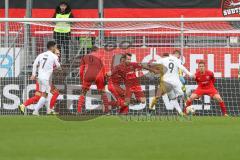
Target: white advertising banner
(10,62)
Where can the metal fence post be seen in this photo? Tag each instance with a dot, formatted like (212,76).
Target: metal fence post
(26,46)
(101,15)
(6,39)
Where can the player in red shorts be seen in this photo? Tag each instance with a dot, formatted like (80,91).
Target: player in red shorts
(205,80)
(114,86)
(37,96)
(92,71)
(132,84)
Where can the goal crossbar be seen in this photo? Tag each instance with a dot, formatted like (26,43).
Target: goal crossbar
(209,19)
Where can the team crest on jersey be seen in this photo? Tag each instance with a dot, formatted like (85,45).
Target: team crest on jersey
(231,8)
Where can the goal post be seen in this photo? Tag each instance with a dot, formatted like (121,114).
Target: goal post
(214,40)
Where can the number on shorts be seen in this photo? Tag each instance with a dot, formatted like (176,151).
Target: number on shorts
(171,66)
(45,60)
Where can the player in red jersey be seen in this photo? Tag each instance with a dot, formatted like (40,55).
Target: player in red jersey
(37,96)
(131,81)
(114,86)
(92,71)
(205,80)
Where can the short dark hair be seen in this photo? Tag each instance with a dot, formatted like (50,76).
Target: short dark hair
(129,54)
(51,44)
(123,56)
(177,51)
(201,62)
(63,2)
(94,49)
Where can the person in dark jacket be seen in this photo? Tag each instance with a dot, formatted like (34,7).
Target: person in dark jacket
(62,30)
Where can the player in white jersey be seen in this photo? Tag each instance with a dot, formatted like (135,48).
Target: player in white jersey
(45,63)
(170,82)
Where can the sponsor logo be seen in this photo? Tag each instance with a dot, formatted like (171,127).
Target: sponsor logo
(13,95)
(10,62)
(231,8)
(223,62)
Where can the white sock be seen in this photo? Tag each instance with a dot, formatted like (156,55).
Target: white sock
(176,105)
(47,103)
(40,103)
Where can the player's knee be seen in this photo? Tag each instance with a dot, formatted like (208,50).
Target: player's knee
(143,100)
(127,101)
(83,92)
(216,97)
(44,94)
(219,99)
(193,97)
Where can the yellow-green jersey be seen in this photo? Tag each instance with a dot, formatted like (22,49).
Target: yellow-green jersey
(63,27)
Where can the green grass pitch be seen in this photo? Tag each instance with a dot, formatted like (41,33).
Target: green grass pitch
(111,138)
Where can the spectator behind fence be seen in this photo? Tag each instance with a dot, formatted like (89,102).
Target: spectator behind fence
(62,30)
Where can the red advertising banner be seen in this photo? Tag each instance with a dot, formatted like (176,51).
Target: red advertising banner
(224,62)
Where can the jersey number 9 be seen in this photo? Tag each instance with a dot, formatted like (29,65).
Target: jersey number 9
(171,66)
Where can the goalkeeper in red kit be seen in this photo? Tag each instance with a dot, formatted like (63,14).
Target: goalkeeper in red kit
(205,80)
(92,71)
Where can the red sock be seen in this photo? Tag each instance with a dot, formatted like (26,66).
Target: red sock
(188,103)
(105,101)
(53,99)
(81,102)
(124,109)
(31,100)
(223,107)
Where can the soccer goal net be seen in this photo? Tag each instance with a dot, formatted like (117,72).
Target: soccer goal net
(214,40)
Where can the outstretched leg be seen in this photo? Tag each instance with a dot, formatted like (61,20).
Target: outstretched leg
(190,100)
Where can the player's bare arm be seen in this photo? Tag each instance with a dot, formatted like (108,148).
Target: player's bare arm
(150,68)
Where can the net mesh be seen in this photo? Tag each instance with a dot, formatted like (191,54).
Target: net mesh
(217,43)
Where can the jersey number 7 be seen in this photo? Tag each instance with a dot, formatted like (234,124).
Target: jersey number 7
(45,60)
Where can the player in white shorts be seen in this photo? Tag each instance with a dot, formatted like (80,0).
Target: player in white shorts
(45,63)
(170,82)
